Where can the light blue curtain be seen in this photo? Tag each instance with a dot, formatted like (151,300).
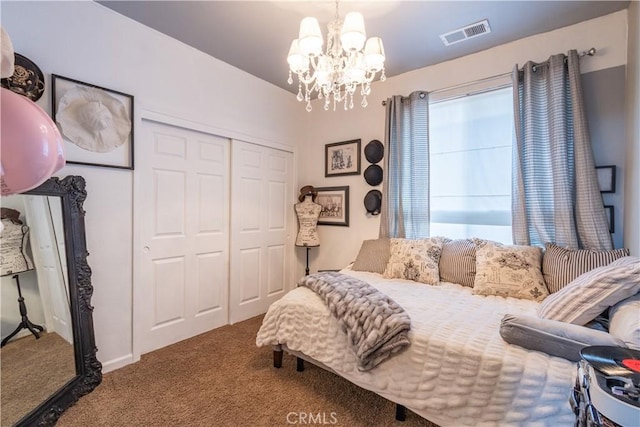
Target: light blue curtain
(555,187)
(405,200)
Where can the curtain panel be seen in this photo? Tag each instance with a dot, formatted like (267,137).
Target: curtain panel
(405,203)
(556,197)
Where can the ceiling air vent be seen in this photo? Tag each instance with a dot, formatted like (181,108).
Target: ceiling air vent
(466,33)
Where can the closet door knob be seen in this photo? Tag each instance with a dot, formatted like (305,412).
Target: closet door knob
(146,249)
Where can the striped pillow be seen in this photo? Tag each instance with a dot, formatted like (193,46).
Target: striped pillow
(561,265)
(593,292)
(373,256)
(458,262)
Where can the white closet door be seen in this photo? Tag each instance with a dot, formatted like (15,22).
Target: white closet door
(261,247)
(182,211)
(44,215)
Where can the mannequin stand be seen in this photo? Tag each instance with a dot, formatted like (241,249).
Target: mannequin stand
(308,248)
(25,323)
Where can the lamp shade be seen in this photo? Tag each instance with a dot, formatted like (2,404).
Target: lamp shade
(298,63)
(374,54)
(310,38)
(31,148)
(353,33)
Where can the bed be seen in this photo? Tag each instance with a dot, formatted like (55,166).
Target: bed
(457,370)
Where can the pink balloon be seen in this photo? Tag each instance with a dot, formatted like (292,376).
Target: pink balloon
(31,147)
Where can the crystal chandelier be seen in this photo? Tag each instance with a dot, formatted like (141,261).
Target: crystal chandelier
(343,67)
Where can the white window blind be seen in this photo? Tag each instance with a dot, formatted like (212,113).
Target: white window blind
(470,154)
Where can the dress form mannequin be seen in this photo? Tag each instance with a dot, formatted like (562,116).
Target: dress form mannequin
(308,212)
(13,261)
(13,255)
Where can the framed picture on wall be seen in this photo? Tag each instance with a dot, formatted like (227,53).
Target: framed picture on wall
(335,205)
(342,158)
(608,209)
(606,178)
(96,123)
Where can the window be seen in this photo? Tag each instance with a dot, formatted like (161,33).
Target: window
(470,139)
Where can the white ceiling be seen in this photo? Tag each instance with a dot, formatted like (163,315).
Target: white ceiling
(255,35)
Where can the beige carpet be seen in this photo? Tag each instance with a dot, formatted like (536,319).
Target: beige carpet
(222,379)
(31,370)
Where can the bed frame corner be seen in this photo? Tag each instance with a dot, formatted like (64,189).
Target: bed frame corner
(277,358)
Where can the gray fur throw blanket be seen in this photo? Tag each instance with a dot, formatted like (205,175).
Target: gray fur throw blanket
(376,326)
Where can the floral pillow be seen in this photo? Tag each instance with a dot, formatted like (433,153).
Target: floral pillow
(415,260)
(509,271)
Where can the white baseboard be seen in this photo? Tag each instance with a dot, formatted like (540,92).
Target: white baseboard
(112,365)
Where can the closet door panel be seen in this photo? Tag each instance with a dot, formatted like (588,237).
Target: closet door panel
(210,298)
(261,204)
(182,245)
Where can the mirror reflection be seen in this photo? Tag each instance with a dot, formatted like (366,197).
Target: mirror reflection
(37,353)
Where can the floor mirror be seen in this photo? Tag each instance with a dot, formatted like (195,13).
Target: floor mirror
(48,351)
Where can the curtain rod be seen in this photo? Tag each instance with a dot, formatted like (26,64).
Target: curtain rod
(582,54)
(384,102)
(590,52)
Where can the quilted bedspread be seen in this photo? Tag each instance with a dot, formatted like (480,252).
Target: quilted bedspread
(457,371)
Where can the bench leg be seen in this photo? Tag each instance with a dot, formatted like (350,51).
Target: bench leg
(401,412)
(299,364)
(277,358)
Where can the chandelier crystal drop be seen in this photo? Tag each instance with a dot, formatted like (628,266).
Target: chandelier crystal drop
(350,61)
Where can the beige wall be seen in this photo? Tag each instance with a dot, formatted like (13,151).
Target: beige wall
(632,169)
(339,245)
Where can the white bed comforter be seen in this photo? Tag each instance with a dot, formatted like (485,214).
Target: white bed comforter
(457,371)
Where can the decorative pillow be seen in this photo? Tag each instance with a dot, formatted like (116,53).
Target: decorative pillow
(373,256)
(561,265)
(624,321)
(593,292)
(554,338)
(508,271)
(458,262)
(415,260)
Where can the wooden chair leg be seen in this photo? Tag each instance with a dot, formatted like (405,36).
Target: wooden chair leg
(277,358)
(401,412)
(299,364)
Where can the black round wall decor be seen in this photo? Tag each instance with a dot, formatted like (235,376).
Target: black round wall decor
(373,175)
(373,202)
(27,79)
(374,151)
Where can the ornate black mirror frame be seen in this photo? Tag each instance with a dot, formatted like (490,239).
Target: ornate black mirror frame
(72,192)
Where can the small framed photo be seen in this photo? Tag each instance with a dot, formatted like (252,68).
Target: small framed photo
(606,178)
(335,205)
(608,209)
(96,123)
(342,158)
